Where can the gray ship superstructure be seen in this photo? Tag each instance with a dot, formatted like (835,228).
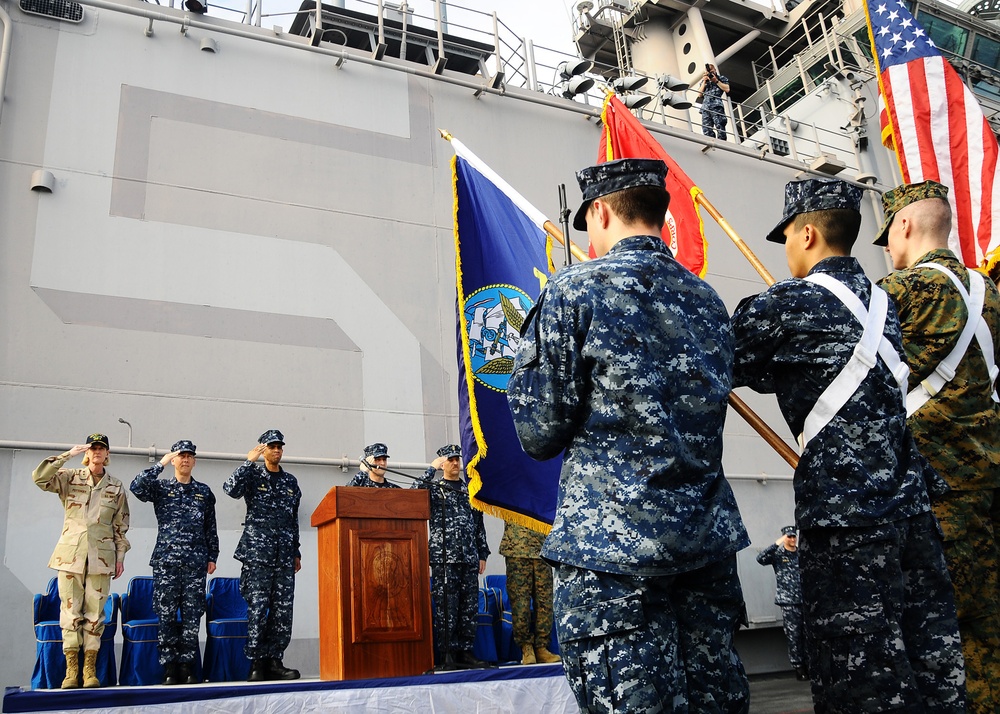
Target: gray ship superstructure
(212,227)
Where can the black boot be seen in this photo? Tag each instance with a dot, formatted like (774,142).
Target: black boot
(279,671)
(258,671)
(801,673)
(170,673)
(185,675)
(467,659)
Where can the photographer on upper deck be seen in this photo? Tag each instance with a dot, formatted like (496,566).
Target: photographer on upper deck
(713,112)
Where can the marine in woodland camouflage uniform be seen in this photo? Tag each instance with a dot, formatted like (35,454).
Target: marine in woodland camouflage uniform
(625,363)
(269,551)
(958,429)
(90,552)
(783,556)
(879,612)
(529,579)
(458,552)
(187,548)
(373,463)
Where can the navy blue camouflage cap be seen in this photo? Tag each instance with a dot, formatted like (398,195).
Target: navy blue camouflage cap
(374,451)
(788,531)
(450,450)
(184,446)
(99,439)
(613,176)
(813,194)
(272,436)
(897,198)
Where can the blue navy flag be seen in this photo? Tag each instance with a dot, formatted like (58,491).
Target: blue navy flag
(502,261)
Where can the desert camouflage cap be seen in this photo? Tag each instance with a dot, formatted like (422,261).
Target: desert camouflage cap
(184,446)
(600,180)
(896,198)
(788,530)
(374,451)
(813,194)
(450,450)
(272,436)
(99,439)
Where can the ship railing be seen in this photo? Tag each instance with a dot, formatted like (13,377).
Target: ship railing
(520,63)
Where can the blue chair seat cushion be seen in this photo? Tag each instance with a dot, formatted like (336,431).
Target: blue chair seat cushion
(141,630)
(52,632)
(227,628)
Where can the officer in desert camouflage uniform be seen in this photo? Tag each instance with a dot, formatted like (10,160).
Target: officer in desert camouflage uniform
(879,611)
(529,579)
(956,424)
(458,551)
(90,552)
(269,551)
(187,547)
(783,556)
(373,463)
(625,364)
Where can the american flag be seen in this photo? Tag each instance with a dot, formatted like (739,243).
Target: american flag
(937,127)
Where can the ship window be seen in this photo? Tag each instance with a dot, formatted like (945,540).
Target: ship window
(987,52)
(947,36)
(682,29)
(788,95)
(864,42)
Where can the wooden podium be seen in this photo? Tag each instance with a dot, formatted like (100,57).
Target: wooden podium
(374,583)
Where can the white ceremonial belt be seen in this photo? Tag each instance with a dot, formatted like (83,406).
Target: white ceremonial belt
(870,347)
(975,326)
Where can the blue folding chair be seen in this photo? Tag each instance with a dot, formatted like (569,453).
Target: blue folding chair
(226,624)
(50,663)
(140,633)
(484,646)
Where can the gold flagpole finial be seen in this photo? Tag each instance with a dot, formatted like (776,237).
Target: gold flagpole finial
(445,134)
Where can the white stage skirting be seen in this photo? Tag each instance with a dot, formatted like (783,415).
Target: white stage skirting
(538,688)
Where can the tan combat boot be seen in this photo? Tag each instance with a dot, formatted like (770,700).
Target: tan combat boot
(527,654)
(90,679)
(72,680)
(543,656)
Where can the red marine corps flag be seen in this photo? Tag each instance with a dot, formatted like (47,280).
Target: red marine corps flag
(936,127)
(625,138)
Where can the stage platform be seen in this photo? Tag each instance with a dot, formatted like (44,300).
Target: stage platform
(507,689)
(513,689)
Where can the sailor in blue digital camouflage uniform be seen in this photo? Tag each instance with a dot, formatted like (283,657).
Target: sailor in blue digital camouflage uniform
(783,556)
(458,552)
(373,463)
(187,547)
(879,612)
(625,365)
(269,551)
(714,87)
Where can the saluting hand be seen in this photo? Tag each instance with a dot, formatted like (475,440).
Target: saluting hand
(167,458)
(78,449)
(437,463)
(255,452)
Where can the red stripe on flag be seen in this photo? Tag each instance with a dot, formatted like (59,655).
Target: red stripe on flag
(953,117)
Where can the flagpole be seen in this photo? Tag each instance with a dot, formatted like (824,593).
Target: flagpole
(741,407)
(734,236)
